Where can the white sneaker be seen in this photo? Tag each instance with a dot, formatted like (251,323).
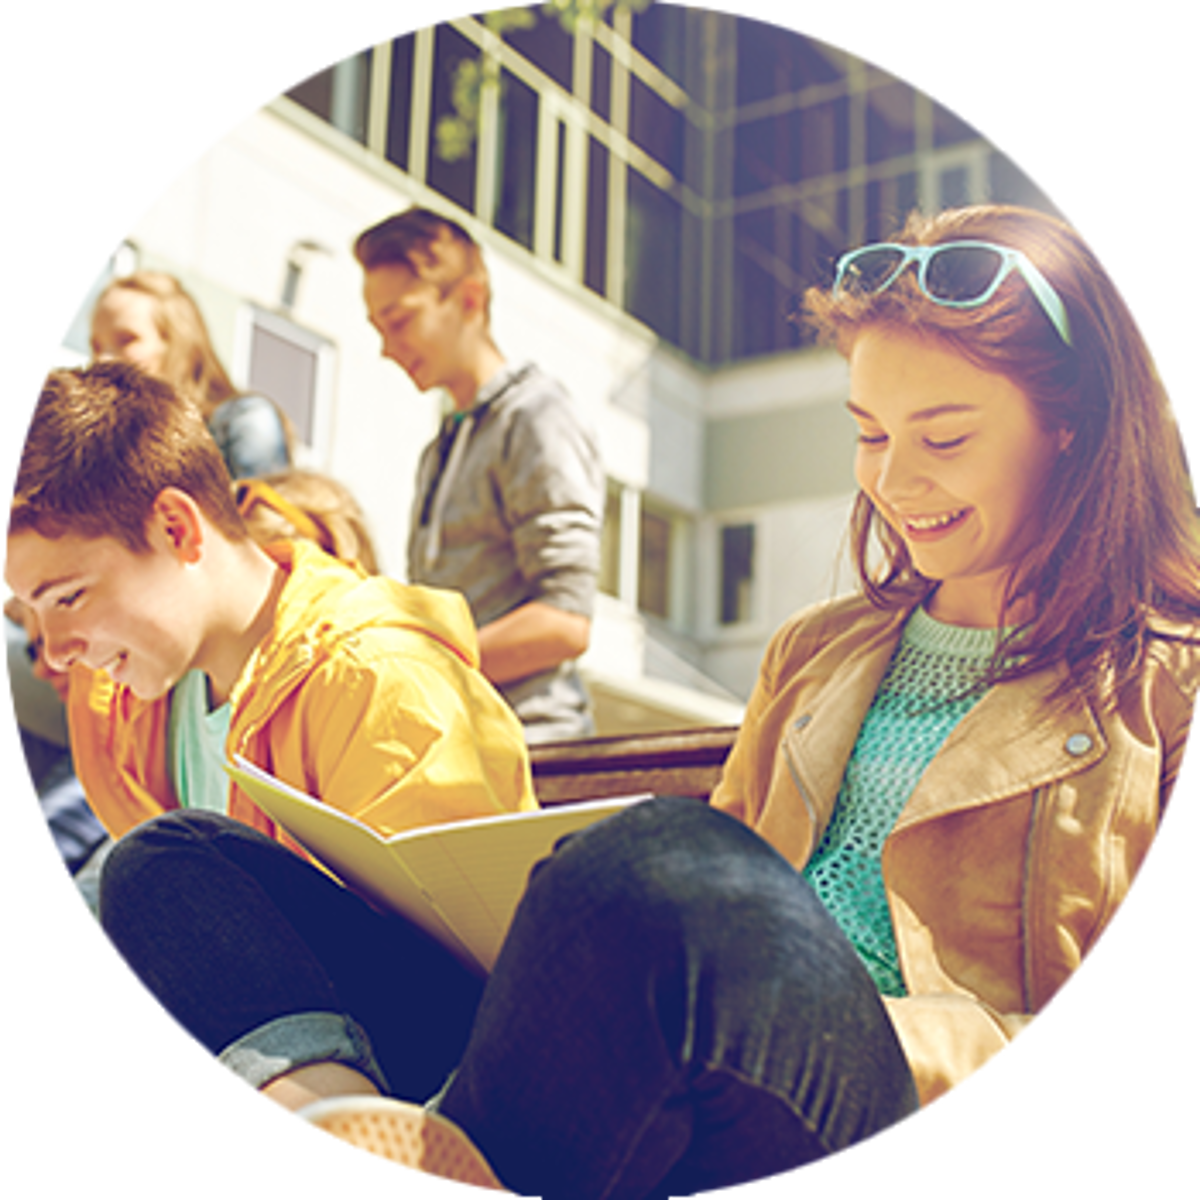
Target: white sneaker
(404,1133)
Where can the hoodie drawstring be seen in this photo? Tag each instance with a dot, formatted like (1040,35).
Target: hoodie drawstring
(433,538)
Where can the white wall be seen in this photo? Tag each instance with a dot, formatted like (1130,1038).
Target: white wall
(800,559)
(800,553)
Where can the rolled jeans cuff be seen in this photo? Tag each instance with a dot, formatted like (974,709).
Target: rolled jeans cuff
(298,1040)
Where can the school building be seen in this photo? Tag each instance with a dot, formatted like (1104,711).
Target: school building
(653,190)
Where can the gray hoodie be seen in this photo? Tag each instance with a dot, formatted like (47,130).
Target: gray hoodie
(508,508)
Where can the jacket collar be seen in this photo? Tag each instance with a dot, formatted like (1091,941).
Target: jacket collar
(1008,744)
(819,743)
(499,387)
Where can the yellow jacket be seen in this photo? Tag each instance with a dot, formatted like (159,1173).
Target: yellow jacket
(1018,843)
(366,694)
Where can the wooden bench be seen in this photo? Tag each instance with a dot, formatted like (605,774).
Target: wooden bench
(683,762)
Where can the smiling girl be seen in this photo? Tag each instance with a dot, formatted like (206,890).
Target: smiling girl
(961,765)
(1018,463)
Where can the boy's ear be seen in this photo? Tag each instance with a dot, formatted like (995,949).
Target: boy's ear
(176,517)
(474,294)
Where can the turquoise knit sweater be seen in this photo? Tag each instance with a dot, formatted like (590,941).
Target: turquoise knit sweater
(930,685)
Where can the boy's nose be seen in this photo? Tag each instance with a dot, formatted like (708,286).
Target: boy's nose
(59,651)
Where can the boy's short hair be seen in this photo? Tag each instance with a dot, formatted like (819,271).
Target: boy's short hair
(104,442)
(431,246)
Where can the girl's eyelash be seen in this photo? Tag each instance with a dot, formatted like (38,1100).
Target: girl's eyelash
(878,439)
(69,599)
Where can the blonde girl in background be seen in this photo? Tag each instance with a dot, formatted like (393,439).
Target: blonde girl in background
(149,320)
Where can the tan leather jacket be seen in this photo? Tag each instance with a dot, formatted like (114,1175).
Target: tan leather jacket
(1016,846)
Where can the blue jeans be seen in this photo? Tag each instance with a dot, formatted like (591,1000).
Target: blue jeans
(673,1010)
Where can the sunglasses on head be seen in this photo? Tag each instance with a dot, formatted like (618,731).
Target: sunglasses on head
(249,492)
(953,274)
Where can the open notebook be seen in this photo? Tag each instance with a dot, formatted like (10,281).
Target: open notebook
(460,882)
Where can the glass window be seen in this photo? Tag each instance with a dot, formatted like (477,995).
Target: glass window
(813,61)
(1008,184)
(610,542)
(791,147)
(560,187)
(737,573)
(693,312)
(816,246)
(313,88)
(824,139)
(755,310)
(762,157)
(757,61)
(400,100)
(352,89)
(891,123)
(889,201)
(340,94)
(285,370)
(658,32)
(908,192)
(546,44)
(654,564)
(954,187)
(778,254)
(601,82)
(453,128)
(652,256)
(516,159)
(950,129)
(656,126)
(755,232)
(769,63)
(595,267)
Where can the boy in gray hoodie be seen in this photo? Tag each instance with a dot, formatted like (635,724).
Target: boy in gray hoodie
(510,494)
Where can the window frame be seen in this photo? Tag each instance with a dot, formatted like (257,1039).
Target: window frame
(251,316)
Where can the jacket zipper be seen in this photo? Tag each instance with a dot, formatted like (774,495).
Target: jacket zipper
(1027,914)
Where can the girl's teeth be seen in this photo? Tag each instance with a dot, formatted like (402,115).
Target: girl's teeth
(934,522)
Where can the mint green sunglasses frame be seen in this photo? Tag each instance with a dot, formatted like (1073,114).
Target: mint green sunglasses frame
(1009,260)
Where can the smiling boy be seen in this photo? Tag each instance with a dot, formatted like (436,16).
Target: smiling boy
(187,642)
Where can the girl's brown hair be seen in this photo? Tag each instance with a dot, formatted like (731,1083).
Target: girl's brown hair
(1120,536)
(307,504)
